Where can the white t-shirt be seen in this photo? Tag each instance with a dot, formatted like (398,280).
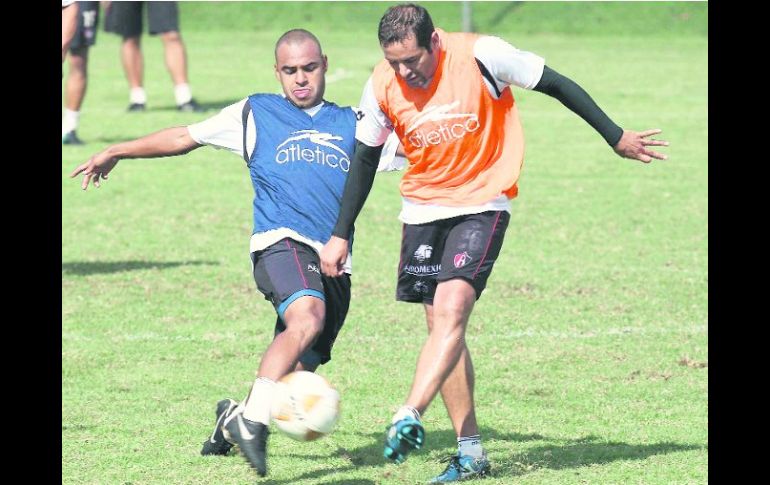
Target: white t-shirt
(508,66)
(389,161)
(224,131)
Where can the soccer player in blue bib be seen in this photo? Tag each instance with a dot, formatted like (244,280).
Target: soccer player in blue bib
(297,148)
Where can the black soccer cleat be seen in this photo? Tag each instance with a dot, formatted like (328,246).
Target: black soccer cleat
(136,107)
(191,106)
(71,138)
(251,438)
(217,444)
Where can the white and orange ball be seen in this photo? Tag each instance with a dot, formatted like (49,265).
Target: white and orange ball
(305,406)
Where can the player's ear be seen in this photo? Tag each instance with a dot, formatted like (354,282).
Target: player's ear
(277,74)
(434,41)
(325,62)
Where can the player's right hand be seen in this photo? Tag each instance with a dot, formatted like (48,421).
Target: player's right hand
(98,166)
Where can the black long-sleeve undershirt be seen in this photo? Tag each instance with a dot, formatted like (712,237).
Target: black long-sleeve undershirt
(363,168)
(571,95)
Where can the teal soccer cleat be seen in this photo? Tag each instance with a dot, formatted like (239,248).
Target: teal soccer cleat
(463,468)
(402,437)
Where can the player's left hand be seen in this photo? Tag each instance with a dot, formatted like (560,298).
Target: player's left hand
(333,255)
(633,144)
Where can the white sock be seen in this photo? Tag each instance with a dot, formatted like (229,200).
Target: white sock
(257,407)
(405,411)
(182,93)
(137,95)
(470,445)
(70,121)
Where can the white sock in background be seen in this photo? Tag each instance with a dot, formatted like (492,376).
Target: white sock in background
(257,407)
(405,411)
(470,445)
(70,121)
(137,95)
(182,93)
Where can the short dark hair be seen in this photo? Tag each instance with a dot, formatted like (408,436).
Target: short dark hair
(403,21)
(296,36)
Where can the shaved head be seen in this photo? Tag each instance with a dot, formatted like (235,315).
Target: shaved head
(296,36)
(300,67)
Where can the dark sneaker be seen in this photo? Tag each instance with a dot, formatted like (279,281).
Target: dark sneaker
(463,468)
(190,107)
(136,107)
(402,437)
(251,438)
(71,138)
(217,444)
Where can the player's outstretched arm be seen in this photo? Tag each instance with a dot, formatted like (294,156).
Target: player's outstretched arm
(164,143)
(626,143)
(634,145)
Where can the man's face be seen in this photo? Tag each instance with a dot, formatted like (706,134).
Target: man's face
(301,69)
(414,64)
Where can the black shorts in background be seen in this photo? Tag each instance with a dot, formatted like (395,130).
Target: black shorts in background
(88,18)
(460,247)
(288,270)
(125,18)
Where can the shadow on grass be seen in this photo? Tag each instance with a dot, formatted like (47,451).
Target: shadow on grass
(580,453)
(99,267)
(557,454)
(208,107)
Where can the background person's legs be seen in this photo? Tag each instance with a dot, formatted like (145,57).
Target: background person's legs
(133,66)
(163,19)
(77,78)
(125,19)
(74,92)
(176,63)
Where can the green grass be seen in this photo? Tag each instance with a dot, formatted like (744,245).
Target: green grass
(597,303)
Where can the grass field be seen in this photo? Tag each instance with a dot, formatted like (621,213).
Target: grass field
(590,342)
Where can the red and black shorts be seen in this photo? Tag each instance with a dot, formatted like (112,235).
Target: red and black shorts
(288,270)
(461,247)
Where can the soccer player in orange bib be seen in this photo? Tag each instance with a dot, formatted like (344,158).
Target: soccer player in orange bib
(448,98)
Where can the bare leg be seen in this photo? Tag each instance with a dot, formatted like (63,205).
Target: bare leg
(133,64)
(457,390)
(304,320)
(176,57)
(77,79)
(452,306)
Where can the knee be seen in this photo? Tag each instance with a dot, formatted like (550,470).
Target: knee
(306,327)
(449,323)
(133,42)
(304,318)
(451,313)
(171,37)
(454,303)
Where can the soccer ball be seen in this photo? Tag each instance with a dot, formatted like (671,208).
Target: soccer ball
(305,406)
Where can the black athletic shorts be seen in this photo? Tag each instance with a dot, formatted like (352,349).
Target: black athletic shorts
(288,270)
(88,18)
(125,18)
(461,247)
